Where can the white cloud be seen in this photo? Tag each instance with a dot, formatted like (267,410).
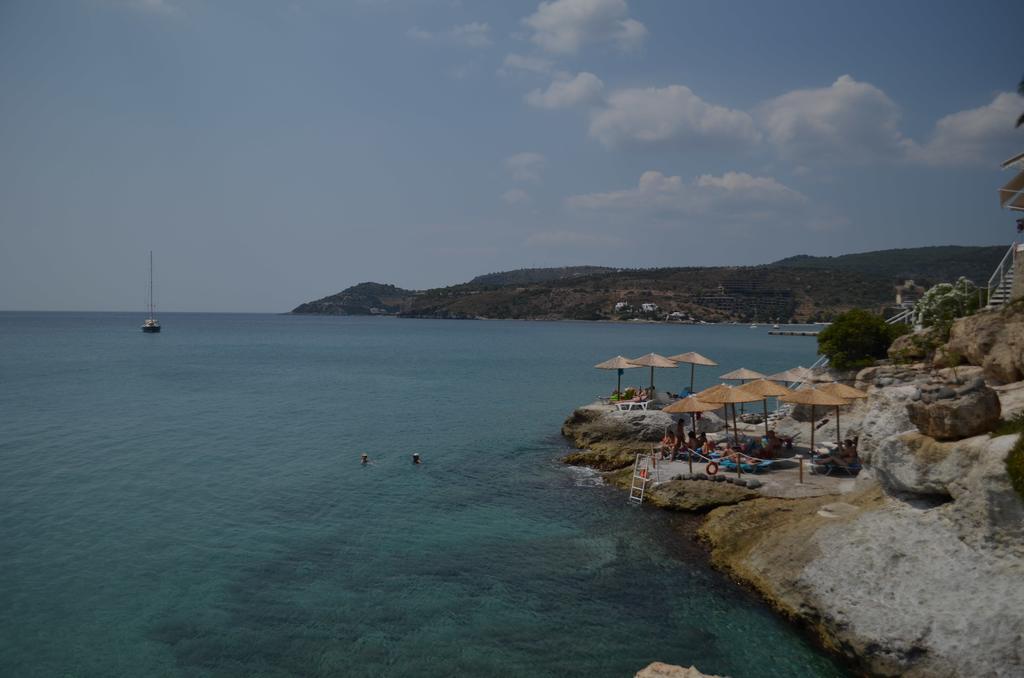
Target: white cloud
(979,136)
(516,196)
(730,195)
(475,34)
(565,26)
(531,64)
(463,71)
(849,121)
(525,166)
(565,92)
(668,115)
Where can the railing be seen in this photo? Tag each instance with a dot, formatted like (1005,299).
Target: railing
(781,408)
(819,364)
(904,316)
(998,278)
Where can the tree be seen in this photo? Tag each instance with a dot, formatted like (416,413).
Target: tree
(944,303)
(856,339)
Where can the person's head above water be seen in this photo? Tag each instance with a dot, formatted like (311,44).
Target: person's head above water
(364,458)
(416,458)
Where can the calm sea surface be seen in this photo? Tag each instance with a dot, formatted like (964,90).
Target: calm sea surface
(191,503)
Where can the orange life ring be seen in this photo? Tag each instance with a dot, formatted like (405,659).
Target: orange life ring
(711,471)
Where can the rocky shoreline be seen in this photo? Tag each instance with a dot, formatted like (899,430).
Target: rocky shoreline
(916,567)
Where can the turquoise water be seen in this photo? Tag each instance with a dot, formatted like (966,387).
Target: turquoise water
(191,503)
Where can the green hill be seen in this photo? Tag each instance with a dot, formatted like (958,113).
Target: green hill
(366,298)
(800,288)
(526,276)
(926,265)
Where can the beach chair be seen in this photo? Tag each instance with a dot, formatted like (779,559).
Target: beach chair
(748,466)
(850,469)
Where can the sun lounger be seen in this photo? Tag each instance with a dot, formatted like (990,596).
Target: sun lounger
(629,405)
(748,466)
(850,469)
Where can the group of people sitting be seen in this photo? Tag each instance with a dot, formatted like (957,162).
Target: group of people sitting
(845,457)
(758,449)
(677,443)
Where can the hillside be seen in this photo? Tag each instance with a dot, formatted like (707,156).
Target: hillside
(926,265)
(366,298)
(526,276)
(800,289)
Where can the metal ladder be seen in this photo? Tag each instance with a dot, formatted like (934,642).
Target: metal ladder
(643,472)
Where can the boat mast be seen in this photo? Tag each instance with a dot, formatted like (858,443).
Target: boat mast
(151,284)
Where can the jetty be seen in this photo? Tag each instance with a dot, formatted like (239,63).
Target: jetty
(794,333)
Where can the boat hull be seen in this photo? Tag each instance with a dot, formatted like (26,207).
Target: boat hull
(150,329)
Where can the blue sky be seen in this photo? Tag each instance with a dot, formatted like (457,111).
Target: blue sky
(274,152)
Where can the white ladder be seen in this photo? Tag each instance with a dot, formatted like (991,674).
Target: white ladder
(643,469)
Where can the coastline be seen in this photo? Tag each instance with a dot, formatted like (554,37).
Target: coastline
(901,534)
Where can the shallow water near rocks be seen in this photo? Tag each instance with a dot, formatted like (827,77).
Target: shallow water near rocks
(191,503)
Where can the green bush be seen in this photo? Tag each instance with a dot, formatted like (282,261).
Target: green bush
(856,339)
(1006,427)
(944,303)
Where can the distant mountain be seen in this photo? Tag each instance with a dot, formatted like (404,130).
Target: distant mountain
(800,288)
(368,298)
(925,265)
(527,276)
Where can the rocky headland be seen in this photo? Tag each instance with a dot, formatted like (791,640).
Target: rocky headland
(796,289)
(916,566)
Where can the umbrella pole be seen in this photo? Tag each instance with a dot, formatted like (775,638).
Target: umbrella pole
(736,431)
(839,444)
(812,430)
(765,401)
(652,380)
(691,377)
(618,387)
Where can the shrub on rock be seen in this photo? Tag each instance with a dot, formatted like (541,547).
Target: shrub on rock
(857,339)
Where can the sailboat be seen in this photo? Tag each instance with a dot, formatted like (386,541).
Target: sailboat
(152,324)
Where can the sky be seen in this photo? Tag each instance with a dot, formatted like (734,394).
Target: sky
(273,152)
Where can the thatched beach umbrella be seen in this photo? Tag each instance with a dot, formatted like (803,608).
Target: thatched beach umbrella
(766,389)
(690,405)
(841,391)
(742,375)
(814,398)
(794,374)
(710,395)
(652,360)
(617,363)
(730,395)
(694,359)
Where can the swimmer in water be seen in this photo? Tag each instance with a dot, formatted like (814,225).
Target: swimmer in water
(364,459)
(416,458)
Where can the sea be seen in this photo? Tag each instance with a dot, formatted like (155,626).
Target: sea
(192,503)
